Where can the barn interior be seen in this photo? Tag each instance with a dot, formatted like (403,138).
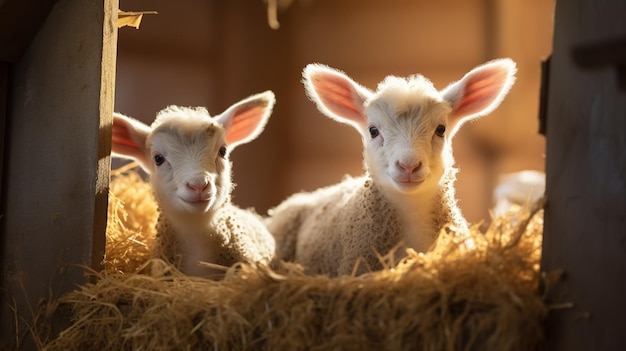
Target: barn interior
(65,66)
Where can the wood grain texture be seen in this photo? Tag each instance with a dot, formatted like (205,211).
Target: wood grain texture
(57,160)
(585,217)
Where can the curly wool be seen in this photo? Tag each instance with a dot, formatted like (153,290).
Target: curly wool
(237,235)
(356,211)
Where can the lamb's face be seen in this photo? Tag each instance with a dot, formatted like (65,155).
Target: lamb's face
(192,173)
(405,141)
(406,124)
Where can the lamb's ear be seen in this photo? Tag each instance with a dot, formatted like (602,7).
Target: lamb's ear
(129,140)
(336,95)
(245,120)
(479,92)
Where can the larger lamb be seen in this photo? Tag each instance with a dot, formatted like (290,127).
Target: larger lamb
(406,195)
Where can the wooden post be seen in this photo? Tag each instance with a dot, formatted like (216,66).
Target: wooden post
(56,169)
(585,219)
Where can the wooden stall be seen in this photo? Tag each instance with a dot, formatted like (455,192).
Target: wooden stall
(59,66)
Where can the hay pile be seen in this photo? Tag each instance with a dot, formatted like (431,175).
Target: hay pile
(452,298)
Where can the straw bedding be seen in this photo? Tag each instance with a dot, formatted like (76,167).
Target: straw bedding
(453,298)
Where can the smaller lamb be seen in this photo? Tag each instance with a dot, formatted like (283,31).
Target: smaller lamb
(186,151)
(407,193)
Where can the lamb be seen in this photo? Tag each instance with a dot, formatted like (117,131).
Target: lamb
(186,151)
(406,195)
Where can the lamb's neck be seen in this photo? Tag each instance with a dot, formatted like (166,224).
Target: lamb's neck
(418,214)
(194,240)
(190,223)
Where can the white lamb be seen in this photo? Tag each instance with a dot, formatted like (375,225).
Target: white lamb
(186,151)
(407,193)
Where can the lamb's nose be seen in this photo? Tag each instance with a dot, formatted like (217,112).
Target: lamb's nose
(198,187)
(410,169)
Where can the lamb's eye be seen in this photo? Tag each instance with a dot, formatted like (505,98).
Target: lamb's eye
(441,130)
(222,152)
(374,132)
(159,159)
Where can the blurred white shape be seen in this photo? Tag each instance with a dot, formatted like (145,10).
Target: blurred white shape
(518,188)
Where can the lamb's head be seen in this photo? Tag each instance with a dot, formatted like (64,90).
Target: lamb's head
(186,151)
(406,124)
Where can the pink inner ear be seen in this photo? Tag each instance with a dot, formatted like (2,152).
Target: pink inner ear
(482,90)
(122,141)
(245,122)
(128,140)
(338,96)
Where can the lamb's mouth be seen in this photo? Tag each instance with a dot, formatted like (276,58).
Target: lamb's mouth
(200,205)
(408,183)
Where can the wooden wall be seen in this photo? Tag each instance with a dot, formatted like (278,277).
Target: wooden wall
(59,102)
(585,219)
(215,53)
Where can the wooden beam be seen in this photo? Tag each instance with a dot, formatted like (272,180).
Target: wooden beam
(585,218)
(4,86)
(57,161)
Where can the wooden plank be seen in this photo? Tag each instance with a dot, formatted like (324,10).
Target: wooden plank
(57,161)
(585,218)
(4,84)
